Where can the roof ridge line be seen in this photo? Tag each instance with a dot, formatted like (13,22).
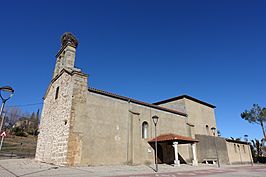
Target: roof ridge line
(136,101)
(184,96)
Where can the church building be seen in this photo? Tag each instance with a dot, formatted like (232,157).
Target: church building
(82,125)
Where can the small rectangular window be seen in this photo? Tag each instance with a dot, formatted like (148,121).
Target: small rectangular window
(244,148)
(56,92)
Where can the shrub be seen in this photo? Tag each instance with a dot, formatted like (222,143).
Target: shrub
(19,132)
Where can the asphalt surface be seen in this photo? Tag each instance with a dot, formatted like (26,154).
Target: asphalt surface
(32,168)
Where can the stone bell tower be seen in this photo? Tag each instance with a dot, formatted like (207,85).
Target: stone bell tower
(59,139)
(65,58)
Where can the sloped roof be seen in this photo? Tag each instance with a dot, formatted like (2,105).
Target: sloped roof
(135,101)
(173,137)
(184,96)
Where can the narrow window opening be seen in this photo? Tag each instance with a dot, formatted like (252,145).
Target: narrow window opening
(56,92)
(207,130)
(238,148)
(244,149)
(235,148)
(145,130)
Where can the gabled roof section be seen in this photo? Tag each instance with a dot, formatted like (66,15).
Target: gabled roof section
(101,92)
(187,97)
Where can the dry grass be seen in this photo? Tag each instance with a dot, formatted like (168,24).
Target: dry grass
(19,146)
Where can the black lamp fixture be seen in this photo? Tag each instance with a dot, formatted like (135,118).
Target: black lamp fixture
(6,92)
(213,130)
(155,119)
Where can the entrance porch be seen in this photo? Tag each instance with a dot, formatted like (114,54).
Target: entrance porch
(168,148)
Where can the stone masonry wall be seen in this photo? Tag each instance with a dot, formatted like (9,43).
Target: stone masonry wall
(54,127)
(75,136)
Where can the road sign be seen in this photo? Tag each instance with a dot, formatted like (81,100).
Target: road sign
(3,134)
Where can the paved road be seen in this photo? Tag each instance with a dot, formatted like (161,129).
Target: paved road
(222,172)
(31,168)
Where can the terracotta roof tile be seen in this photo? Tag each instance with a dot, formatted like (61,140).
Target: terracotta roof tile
(173,137)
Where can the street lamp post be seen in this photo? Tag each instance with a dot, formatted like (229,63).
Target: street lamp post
(213,131)
(155,121)
(6,93)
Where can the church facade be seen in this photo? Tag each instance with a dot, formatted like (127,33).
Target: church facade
(81,125)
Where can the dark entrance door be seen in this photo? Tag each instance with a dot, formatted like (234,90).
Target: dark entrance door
(160,154)
(166,153)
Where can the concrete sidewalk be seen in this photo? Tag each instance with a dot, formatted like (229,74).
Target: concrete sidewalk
(32,168)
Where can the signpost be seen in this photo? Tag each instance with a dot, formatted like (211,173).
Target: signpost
(3,135)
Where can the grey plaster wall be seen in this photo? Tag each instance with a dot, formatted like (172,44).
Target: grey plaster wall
(199,115)
(239,153)
(206,148)
(111,131)
(178,105)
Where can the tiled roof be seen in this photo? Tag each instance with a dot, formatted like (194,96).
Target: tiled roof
(173,137)
(184,96)
(135,101)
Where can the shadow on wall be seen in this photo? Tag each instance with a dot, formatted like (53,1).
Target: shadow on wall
(206,148)
(166,153)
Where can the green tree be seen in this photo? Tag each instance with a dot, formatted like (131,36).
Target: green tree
(256,115)
(37,120)
(37,117)
(257,146)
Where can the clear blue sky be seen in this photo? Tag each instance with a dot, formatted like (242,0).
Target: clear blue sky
(148,50)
